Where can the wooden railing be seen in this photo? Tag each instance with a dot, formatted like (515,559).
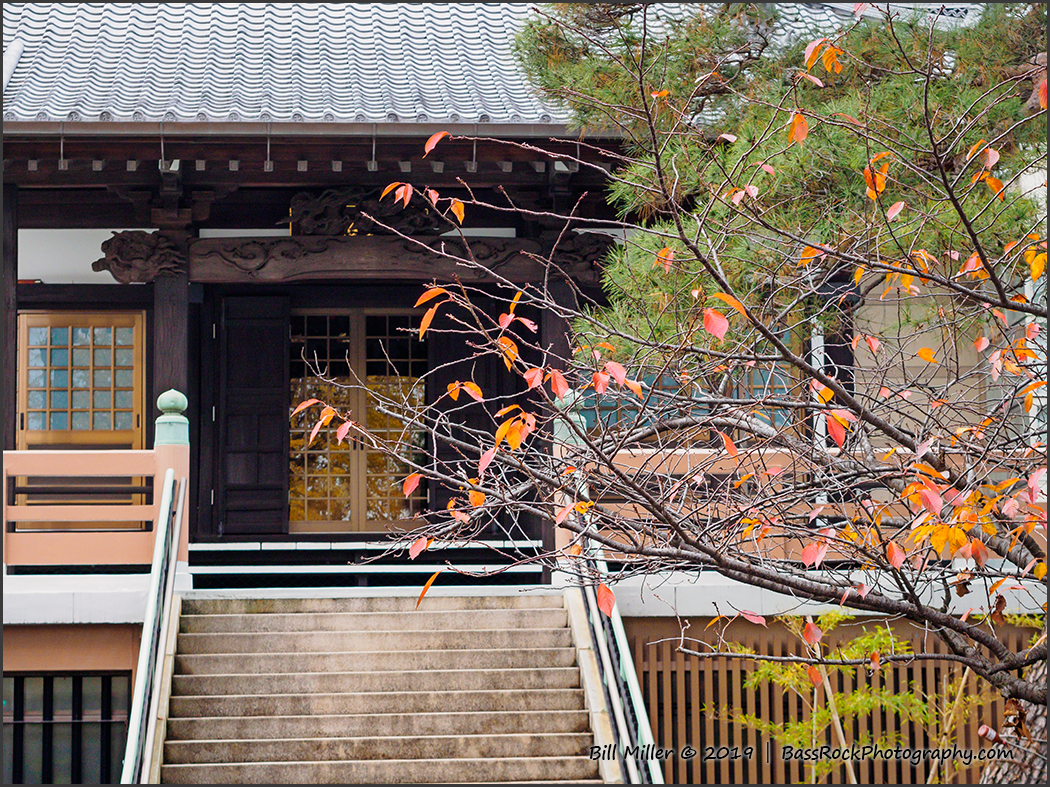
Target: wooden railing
(78,508)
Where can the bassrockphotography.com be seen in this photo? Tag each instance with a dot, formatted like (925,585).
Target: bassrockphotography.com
(875,752)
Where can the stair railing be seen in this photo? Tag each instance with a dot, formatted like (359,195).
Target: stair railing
(635,745)
(172,429)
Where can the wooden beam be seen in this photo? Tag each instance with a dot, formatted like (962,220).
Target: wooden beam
(9,340)
(388,258)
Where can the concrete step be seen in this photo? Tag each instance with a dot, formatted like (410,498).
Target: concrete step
(431,771)
(328,641)
(569,744)
(376,702)
(378,724)
(432,603)
(442,620)
(375,661)
(387,681)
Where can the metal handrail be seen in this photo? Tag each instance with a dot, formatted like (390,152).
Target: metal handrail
(622,689)
(141,721)
(635,744)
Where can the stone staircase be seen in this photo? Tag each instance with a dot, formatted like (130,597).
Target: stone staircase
(371,690)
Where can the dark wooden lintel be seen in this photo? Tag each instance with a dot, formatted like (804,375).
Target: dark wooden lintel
(375,258)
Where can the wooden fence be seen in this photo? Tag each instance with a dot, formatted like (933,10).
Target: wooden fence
(687,697)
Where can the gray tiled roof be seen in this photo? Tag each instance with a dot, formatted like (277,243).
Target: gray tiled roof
(289,62)
(279,62)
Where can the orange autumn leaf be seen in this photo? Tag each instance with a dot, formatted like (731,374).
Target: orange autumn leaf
(974,149)
(927,355)
(831,59)
(430,294)
(814,675)
(798,130)
(477,499)
(427,319)
(835,429)
(730,301)
(473,390)
(395,185)
(813,51)
(426,587)
(432,142)
(995,185)
(1042,95)
(509,350)
(458,210)
(636,387)
(728,444)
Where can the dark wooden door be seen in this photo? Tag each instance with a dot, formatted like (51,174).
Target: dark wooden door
(252,469)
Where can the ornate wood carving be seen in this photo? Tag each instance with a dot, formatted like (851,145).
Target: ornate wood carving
(377,258)
(135,256)
(360,210)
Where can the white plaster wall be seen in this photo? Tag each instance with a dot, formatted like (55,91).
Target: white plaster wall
(62,256)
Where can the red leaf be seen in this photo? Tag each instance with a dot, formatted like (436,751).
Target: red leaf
(814,674)
(563,513)
(850,118)
(665,257)
(432,142)
(931,501)
(601,382)
(534,377)
(473,390)
(979,552)
(417,548)
(411,483)
(727,137)
(606,599)
(812,79)
(505,320)
(873,343)
(812,633)
(1042,95)
(529,324)
(559,384)
(715,323)
(426,587)
(813,554)
(340,433)
(303,405)
(895,208)
(767,168)
(835,429)
(753,617)
(486,459)
(617,371)
(895,554)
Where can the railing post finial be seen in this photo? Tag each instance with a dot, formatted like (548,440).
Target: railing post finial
(173,428)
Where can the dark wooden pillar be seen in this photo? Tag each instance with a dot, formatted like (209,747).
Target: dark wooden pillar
(9,340)
(171,334)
